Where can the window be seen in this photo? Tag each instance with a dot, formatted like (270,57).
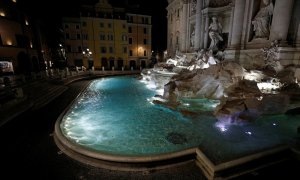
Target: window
(130,53)
(84,24)
(111,50)
(129,29)
(101,25)
(124,38)
(145,41)
(102,36)
(103,49)
(66,26)
(178,13)
(130,41)
(77,26)
(124,26)
(79,49)
(146,20)
(143,20)
(109,25)
(130,19)
(125,50)
(110,37)
(78,36)
(145,53)
(145,30)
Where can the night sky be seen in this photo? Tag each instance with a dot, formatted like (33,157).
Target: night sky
(51,11)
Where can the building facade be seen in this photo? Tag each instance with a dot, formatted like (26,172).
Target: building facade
(18,42)
(105,37)
(238,28)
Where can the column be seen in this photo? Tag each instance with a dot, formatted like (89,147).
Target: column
(281,19)
(298,36)
(202,31)
(206,31)
(296,15)
(198,39)
(237,27)
(183,26)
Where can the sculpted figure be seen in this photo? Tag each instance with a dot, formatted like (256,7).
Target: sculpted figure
(261,22)
(215,31)
(211,59)
(192,38)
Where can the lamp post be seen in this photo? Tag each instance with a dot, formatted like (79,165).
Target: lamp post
(87,54)
(62,61)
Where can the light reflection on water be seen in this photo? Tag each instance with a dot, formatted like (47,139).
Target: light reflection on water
(114,115)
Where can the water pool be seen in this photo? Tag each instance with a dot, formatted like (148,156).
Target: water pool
(115,116)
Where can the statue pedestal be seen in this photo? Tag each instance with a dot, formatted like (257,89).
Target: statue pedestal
(258,43)
(251,58)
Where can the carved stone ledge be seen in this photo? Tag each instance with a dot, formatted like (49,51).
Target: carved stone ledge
(185,1)
(219,3)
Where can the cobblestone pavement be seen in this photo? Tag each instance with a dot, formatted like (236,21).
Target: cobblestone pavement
(28,151)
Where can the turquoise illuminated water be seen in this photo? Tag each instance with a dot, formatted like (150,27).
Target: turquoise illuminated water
(115,115)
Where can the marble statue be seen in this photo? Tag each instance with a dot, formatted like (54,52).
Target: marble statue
(211,59)
(215,31)
(261,22)
(271,56)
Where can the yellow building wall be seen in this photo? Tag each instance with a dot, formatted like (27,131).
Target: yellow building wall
(8,31)
(94,27)
(94,43)
(138,36)
(121,40)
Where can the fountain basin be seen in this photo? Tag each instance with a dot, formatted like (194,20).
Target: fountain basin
(113,120)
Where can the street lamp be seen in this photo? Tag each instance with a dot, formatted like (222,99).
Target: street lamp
(87,54)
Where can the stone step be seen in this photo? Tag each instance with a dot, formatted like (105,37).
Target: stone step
(244,165)
(50,95)
(41,89)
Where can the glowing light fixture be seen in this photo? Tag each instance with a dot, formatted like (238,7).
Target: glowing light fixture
(2,13)
(248,132)
(87,53)
(9,42)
